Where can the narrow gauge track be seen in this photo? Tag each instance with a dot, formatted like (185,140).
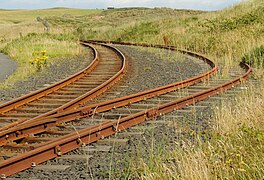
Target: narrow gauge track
(39,125)
(108,66)
(110,125)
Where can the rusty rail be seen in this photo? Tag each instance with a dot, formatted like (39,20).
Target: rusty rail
(86,136)
(94,92)
(47,90)
(38,125)
(85,97)
(154,46)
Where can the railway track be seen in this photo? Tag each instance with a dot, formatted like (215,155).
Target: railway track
(37,141)
(108,66)
(38,125)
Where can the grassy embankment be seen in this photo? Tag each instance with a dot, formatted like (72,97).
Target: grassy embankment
(21,37)
(226,36)
(234,147)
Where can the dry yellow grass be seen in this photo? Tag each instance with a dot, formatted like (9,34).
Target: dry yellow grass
(234,145)
(232,149)
(21,35)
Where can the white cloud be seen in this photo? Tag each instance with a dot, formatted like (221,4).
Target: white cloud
(186,4)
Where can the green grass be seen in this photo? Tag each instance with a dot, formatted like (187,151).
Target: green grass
(14,23)
(234,145)
(23,49)
(21,35)
(225,35)
(22,16)
(255,57)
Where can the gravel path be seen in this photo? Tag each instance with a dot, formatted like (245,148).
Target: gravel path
(7,67)
(148,68)
(53,73)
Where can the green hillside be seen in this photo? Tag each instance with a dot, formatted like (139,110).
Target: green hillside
(227,34)
(22,16)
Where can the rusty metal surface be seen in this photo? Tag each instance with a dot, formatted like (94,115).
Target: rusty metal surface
(86,136)
(79,100)
(43,92)
(41,124)
(94,92)
(56,148)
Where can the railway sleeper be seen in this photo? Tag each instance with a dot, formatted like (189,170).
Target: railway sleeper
(7,119)
(49,167)
(76,157)
(58,98)
(38,110)
(73,90)
(77,93)
(92,81)
(43,104)
(21,114)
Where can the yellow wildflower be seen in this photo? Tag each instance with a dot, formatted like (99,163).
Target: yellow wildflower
(229,161)
(43,52)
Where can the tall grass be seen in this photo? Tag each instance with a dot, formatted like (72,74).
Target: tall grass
(232,149)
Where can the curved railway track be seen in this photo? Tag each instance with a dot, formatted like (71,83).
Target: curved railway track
(38,125)
(108,66)
(50,137)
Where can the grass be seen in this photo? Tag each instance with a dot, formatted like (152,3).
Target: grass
(23,16)
(24,48)
(223,35)
(16,22)
(232,147)
(67,26)
(21,35)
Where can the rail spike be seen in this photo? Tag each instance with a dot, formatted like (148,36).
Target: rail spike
(152,113)
(86,112)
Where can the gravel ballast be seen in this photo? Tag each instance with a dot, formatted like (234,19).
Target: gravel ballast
(152,67)
(55,72)
(148,68)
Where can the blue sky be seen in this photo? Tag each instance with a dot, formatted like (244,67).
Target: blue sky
(91,4)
